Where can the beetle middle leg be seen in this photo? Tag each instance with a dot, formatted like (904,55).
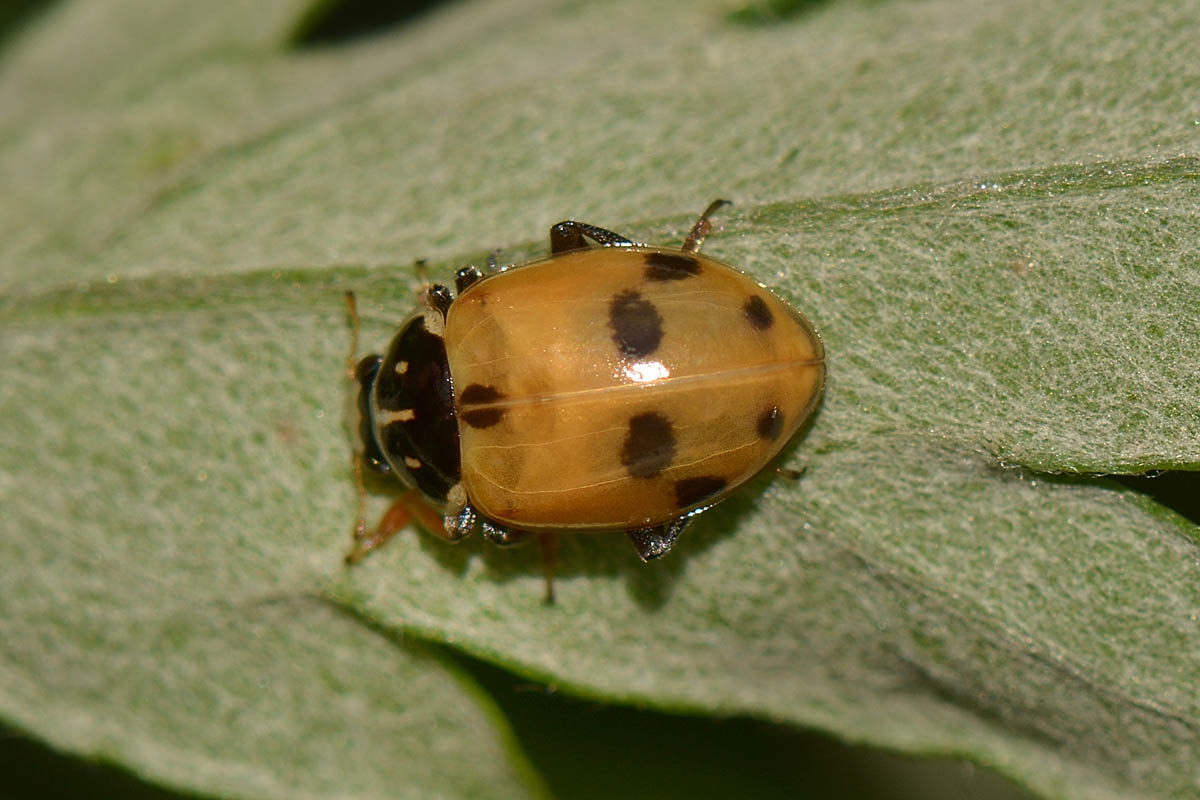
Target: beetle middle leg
(501,535)
(569,235)
(504,536)
(465,277)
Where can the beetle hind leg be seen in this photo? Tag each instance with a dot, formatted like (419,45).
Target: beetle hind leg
(702,228)
(656,541)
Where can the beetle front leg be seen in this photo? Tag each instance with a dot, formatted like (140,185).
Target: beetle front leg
(405,509)
(394,520)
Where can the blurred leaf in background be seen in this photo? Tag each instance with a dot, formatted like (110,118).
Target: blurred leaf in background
(989,210)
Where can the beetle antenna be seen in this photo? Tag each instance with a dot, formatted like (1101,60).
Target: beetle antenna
(360,524)
(352,373)
(421,267)
(352,309)
(703,227)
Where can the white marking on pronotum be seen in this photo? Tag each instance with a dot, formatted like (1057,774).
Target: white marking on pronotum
(435,323)
(403,415)
(457,496)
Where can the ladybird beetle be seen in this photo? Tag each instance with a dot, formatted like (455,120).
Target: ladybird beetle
(620,387)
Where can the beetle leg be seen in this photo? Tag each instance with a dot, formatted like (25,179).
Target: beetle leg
(789,473)
(703,227)
(499,535)
(393,521)
(465,277)
(658,540)
(429,519)
(569,235)
(440,298)
(458,526)
(548,544)
(405,509)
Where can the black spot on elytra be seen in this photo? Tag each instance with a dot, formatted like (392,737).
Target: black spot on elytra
(636,325)
(692,491)
(482,417)
(757,313)
(670,267)
(478,394)
(649,445)
(770,423)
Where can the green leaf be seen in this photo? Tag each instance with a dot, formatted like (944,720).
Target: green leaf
(988,210)
(148,622)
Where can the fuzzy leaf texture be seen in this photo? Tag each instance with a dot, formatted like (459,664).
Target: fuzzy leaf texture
(991,212)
